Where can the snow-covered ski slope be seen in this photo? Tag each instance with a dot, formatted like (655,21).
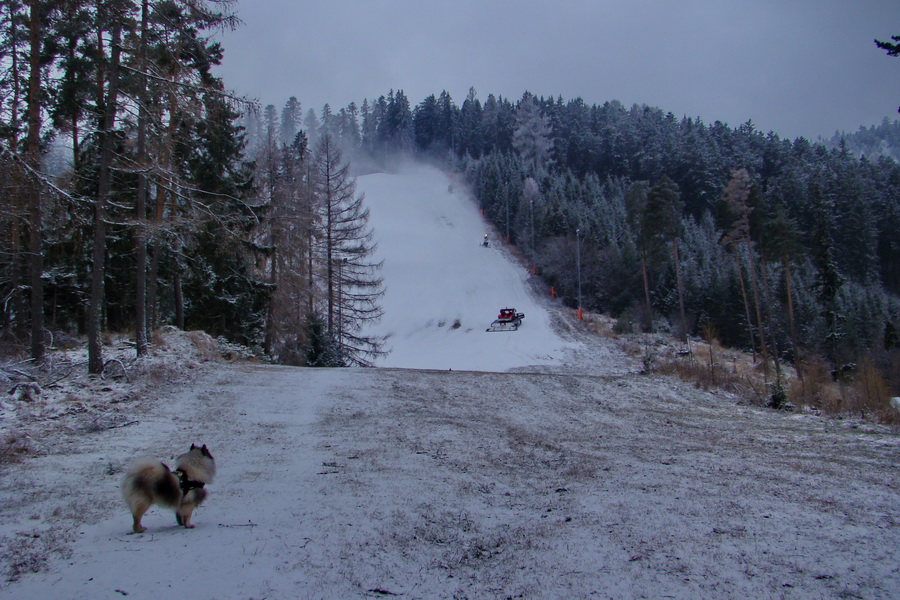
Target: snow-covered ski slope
(443,289)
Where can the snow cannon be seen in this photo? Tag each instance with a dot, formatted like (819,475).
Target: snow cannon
(507,320)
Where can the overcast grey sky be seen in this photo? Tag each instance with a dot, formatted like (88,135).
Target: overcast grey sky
(796,67)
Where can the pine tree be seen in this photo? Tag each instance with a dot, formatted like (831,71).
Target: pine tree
(781,241)
(531,138)
(311,125)
(352,286)
(142,165)
(738,209)
(663,212)
(636,207)
(17,179)
(425,124)
(111,17)
(829,280)
(468,133)
(39,11)
(289,221)
(291,115)
(348,131)
(892,49)
(447,118)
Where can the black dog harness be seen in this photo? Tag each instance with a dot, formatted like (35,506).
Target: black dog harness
(187,484)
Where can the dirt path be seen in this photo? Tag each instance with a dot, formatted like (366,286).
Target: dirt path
(370,483)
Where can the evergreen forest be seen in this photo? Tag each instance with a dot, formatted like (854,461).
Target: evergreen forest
(138,192)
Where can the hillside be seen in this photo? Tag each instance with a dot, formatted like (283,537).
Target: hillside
(871,142)
(443,288)
(562,472)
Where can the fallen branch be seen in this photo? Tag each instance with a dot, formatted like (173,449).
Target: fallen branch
(119,362)
(57,380)
(24,374)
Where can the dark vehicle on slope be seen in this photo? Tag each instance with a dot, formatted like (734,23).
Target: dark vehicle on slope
(507,320)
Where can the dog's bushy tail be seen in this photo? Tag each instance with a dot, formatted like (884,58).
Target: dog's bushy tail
(152,482)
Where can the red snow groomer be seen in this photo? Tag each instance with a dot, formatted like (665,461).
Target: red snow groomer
(507,320)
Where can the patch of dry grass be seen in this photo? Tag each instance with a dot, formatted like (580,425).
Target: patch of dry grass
(15,446)
(864,391)
(31,551)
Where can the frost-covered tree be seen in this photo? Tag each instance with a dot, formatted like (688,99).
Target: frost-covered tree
(311,126)
(531,137)
(647,242)
(395,128)
(829,280)
(738,208)
(288,235)
(425,124)
(349,129)
(781,241)
(291,116)
(468,126)
(663,217)
(351,282)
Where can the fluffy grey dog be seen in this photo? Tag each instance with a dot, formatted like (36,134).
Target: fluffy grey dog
(148,482)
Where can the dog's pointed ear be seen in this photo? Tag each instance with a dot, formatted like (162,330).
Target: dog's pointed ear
(193,446)
(205,451)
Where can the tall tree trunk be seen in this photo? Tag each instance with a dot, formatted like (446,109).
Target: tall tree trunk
(151,303)
(759,322)
(165,161)
(795,346)
(104,183)
(678,283)
(15,82)
(72,53)
(179,298)
(17,273)
(740,270)
(310,241)
(156,248)
(329,244)
(767,305)
(140,238)
(310,283)
(33,157)
(649,323)
(271,329)
(790,304)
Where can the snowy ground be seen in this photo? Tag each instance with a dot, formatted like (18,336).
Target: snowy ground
(577,477)
(443,289)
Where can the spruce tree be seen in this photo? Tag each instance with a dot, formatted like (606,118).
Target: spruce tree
(531,138)
(664,220)
(636,208)
(892,49)
(352,285)
(290,121)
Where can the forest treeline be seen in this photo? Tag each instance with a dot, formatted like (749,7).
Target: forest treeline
(873,142)
(178,203)
(129,201)
(785,248)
